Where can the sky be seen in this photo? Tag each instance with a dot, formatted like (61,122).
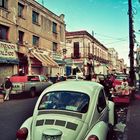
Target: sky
(108,19)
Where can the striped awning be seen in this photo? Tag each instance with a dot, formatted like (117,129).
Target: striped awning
(43,57)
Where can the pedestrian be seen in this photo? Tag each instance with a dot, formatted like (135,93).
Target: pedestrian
(7,87)
(58,77)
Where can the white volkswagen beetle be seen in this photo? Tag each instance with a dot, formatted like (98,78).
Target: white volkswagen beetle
(70,110)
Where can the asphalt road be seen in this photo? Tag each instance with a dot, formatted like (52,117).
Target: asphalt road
(12,115)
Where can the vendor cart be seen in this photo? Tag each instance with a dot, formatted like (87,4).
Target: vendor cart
(121,94)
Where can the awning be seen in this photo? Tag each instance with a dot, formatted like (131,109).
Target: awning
(9,61)
(60,62)
(43,57)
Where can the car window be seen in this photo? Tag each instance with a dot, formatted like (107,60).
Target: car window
(101,101)
(121,77)
(65,100)
(33,78)
(43,79)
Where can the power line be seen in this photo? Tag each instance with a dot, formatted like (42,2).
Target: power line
(116,42)
(110,36)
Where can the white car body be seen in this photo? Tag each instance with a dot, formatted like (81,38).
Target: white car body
(70,123)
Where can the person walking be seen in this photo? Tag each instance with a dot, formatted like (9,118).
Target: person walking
(7,87)
(58,78)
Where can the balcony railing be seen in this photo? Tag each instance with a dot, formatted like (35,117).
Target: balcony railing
(75,55)
(90,55)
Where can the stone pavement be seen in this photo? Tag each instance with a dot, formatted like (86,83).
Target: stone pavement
(132,130)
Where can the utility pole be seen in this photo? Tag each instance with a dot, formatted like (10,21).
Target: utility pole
(93,51)
(131,44)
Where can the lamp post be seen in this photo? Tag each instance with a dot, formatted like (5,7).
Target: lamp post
(28,57)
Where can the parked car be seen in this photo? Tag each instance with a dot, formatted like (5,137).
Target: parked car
(30,84)
(74,77)
(70,110)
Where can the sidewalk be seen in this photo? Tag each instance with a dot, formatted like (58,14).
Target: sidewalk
(132,130)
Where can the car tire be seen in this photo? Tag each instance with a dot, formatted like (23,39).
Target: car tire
(32,92)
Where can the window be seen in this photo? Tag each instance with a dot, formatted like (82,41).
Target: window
(35,16)
(101,101)
(4,32)
(65,100)
(35,40)
(20,9)
(54,27)
(54,47)
(3,4)
(76,49)
(20,37)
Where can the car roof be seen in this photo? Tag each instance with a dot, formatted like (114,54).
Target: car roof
(88,87)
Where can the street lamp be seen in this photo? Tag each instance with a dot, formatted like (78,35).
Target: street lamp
(28,56)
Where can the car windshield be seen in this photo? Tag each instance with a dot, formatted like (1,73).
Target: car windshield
(74,77)
(65,100)
(121,77)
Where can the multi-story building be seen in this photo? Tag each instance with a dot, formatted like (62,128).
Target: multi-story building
(83,48)
(120,65)
(114,58)
(31,38)
(110,65)
(117,64)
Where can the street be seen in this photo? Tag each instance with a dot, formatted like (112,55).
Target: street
(12,115)
(14,112)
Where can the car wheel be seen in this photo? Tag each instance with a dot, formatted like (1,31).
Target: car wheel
(32,92)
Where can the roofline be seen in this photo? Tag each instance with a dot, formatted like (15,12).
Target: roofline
(84,32)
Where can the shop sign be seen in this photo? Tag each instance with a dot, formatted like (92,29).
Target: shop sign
(8,50)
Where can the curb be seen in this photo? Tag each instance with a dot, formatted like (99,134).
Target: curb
(125,135)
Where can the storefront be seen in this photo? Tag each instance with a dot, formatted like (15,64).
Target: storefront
(8,60)
(42,63)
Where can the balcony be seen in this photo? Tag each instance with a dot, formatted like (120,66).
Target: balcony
(75,55)
(90,55)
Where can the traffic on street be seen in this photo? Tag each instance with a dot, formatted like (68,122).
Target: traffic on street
(69,70)
(20,107)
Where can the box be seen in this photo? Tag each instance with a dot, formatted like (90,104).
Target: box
(125,100)
(1,98)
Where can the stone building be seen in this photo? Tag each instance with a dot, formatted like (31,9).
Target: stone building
(114,58)
(83,48)
(120,65)
(31,38)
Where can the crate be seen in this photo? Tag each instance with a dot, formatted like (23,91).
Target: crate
(125,100)
(1,98)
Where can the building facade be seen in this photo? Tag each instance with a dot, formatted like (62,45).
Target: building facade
(114,58)
(120,65)
(83,48)
(33,34)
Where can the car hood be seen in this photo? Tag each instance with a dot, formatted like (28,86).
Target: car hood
(69,127)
